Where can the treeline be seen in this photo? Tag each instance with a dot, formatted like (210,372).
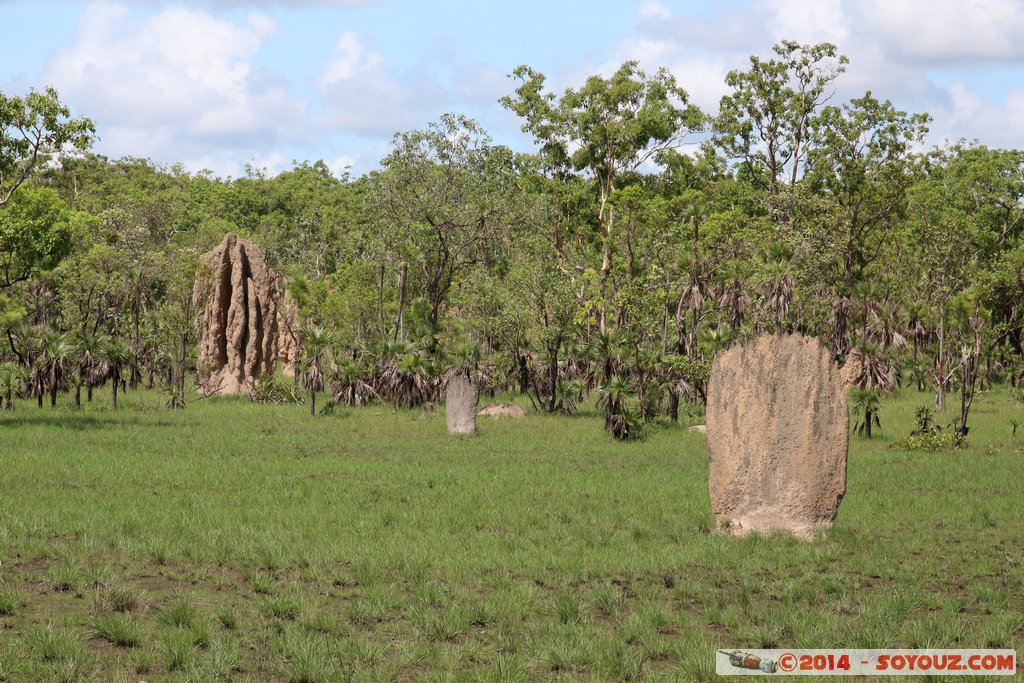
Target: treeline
(641,236)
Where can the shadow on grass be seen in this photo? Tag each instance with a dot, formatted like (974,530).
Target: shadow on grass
(77,421)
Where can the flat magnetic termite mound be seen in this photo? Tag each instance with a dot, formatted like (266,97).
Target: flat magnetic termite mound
(777,428)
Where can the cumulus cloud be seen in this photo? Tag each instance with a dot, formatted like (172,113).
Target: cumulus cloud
(948,30)
(365,94)
(369,96)
(895,50)
(173,83)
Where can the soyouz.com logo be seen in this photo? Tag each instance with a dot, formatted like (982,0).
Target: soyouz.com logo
(865,662)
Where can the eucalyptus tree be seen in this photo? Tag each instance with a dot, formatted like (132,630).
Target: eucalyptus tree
(442,201)
(550,307)
(861,165)
(604,132)
(35,234)
(765,123)
(946,237)
(34,128)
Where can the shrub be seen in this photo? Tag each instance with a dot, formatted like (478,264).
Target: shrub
(931,442)
(275,390)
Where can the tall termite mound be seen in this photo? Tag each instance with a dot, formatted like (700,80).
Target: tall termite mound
(241,325)
(777,431)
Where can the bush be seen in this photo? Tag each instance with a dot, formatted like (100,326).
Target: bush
(274,389)
(931,442)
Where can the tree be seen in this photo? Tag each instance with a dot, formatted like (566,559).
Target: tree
(765,124)
(12,378)
(316,350)
(115,354)
(605,130)
(945,230)
(56,360)
(441,200)
(35,234)
(866,402)
(862,164)
(33,128)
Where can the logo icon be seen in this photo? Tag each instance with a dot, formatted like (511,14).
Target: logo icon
(745,660)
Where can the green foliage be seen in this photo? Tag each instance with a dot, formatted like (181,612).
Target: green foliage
(32,129)
(865,404)
(274,389)
(35,233)
(934,441)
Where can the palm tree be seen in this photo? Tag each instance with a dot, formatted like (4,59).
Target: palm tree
(866,400)
(90,367)
(780,292)
(115,354)
(925,419)
(316,350)
(875,371)
(916,329)
(605,347)
(567,396)
(406,380)
(10,383)
(675,370)
(350,386)
(612,397)
(55,361)
(735,300)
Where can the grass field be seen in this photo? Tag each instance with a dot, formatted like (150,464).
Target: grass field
(231,541)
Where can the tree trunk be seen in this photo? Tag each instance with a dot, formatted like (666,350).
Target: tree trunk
(78,397)
(673,406)
(116,381)
(88,393)
(53,397)
(552,379)
(940,391)
(380,301)
(524,375)
(868,417)
(402,276)
(312,403)
(970,365)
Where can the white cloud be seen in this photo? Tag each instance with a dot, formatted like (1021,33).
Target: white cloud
(364,93)
(895,48)
(654,10)
(369,96)
(967,114)
(807,21)
(173,83)
(947,29)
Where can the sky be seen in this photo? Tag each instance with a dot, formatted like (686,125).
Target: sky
(219,84)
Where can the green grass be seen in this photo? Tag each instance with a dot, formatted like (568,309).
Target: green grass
(234,541)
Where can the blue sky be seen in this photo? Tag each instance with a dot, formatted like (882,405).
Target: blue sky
(220,83)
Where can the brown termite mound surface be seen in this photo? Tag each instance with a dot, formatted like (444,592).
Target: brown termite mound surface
(777,429)
(243,325)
